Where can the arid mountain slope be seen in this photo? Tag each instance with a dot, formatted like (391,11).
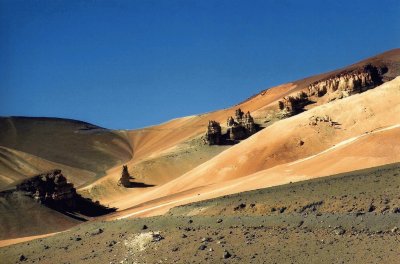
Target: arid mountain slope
(86,147)
(154,147)
(356,127)
(322,125)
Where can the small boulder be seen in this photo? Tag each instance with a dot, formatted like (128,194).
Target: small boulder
(157,237)
(396,210)
(175,249)
(339,231)
(206,239)
(112,243)
(226,254)
(202,247)
(97,232)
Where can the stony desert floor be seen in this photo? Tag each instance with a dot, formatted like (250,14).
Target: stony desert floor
(346,218)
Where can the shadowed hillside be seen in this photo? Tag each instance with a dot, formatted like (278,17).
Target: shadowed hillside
(75,144)
(48,202)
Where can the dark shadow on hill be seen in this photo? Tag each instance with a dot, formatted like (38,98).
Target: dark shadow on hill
(52,190)
(138,185)
(79,208)
(126,180)
(226,140)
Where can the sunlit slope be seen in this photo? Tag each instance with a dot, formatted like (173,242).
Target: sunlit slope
(365,124)
(295,138)
(72,143)
(164,152)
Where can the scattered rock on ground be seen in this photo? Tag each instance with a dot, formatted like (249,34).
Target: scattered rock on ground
(226,254)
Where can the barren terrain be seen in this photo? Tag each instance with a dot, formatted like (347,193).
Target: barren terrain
(270,196)
(334,219)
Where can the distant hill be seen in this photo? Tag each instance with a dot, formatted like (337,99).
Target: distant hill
(30,145)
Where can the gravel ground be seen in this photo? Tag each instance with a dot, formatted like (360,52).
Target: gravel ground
(348,218)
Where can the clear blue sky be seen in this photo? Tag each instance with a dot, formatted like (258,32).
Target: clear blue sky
(129,64)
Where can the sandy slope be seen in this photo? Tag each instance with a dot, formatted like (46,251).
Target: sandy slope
(368,151)
(260,156)
(151,145)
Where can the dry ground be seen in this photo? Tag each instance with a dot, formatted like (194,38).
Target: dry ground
(347,218)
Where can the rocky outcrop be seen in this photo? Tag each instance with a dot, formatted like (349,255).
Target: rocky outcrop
(50,186)
(238,128)
(351,82)
(336,87)
(125,177)
(214,135)
(53,190)
(294,104)
(314,120)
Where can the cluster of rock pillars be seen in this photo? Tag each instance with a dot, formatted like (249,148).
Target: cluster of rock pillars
(53,190)
(335,87)
(238,128)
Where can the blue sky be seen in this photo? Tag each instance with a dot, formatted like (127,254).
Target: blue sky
(128,64)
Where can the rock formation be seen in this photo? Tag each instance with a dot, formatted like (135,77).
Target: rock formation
(294,104)
(351,82)
(49,187)
(125,177)
(52,189)
(314,120)
(214,135)
(336,87)
(238,128)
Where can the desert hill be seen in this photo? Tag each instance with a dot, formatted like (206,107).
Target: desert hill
(34,145)
(152,150)
(330,123)
(296,149)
